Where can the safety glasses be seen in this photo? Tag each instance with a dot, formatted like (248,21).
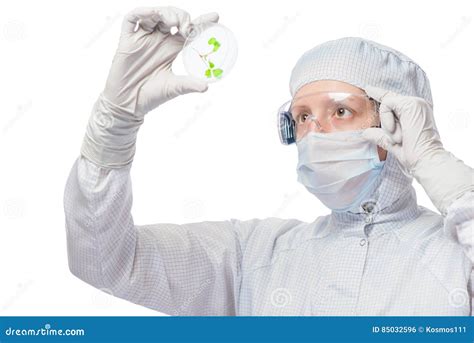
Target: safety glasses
(326,112)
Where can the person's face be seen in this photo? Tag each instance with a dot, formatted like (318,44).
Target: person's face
(304,94)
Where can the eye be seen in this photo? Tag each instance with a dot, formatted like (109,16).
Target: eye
(301,118)
(343,113)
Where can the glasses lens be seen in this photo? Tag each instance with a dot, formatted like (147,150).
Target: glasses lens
(286,125)
(326,112)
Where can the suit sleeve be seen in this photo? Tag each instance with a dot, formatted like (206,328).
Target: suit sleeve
(190,269)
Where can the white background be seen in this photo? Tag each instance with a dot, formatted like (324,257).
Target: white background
(199,157)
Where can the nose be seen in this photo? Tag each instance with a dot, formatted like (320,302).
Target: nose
(317,124)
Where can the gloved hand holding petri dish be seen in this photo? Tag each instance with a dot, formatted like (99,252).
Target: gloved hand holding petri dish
(210,51)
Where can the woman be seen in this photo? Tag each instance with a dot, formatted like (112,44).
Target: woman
(377,253)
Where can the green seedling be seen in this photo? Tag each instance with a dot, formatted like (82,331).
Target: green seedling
(211,71)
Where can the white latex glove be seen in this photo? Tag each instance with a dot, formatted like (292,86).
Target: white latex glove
(140,79)
(409,132)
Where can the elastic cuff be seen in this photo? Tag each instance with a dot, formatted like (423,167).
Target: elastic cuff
(110,135)
(445,179)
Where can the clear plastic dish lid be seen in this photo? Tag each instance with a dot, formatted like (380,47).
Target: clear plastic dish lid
(210,52)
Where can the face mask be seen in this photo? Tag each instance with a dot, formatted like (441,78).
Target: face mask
(339,168)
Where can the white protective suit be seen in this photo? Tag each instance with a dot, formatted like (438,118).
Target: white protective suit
(399,259)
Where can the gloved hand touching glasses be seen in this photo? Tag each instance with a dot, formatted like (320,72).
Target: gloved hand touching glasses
(409,132)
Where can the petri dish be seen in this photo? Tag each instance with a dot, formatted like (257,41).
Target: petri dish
(210,52)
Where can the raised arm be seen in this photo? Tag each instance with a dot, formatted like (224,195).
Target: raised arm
(191,269)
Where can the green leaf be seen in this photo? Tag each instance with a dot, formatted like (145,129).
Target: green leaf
(217,73)
(212,41)
(211,65)
(216,46)
(208,73)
